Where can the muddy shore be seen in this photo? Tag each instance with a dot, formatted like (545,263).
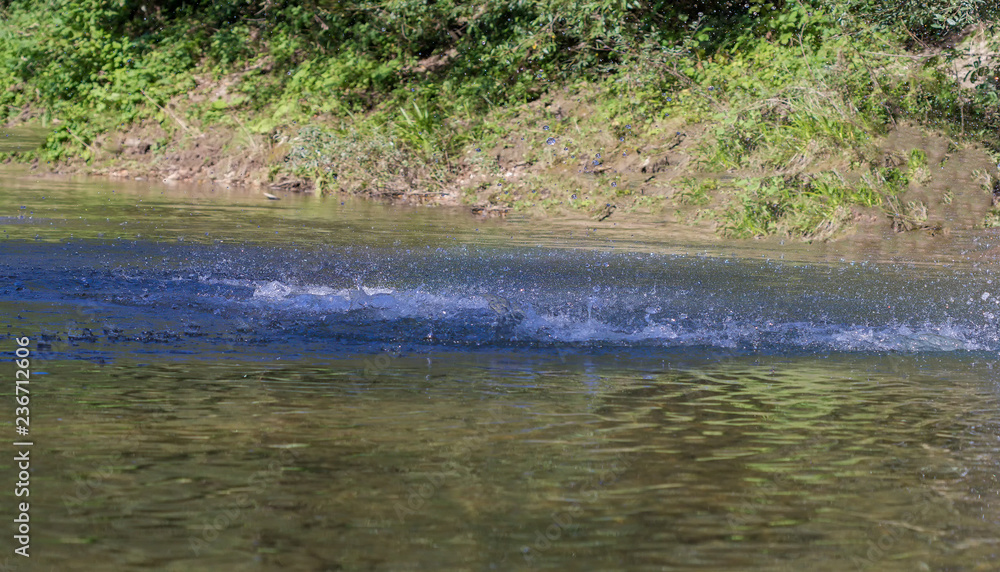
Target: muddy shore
(542,167)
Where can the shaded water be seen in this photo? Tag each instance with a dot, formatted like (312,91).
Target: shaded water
(362,388)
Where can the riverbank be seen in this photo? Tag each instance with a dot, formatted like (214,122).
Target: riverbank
(806,121)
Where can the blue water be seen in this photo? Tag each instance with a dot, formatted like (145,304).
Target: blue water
(184,297)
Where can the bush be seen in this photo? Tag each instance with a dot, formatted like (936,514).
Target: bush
(928,20)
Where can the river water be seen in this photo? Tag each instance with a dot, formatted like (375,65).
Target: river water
(221,382)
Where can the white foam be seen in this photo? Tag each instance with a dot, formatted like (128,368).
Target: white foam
(579,322)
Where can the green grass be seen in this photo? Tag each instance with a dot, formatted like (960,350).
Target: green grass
(372,101)
(992,219)
(811,207)
(917,159)
(693,192)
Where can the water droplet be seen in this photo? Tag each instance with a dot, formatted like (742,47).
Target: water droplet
(551,141)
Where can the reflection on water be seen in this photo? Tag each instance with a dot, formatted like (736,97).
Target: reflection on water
(505,461)
(227,383)
(54,209)
(14,139)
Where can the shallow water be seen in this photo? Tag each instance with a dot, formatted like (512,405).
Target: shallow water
(225,382)
(13,139)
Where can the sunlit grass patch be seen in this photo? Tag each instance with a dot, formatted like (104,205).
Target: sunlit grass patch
(648,203)
(992,219)
(359,156)
(814,207)
(693,192)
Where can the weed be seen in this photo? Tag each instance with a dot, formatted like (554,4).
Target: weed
(911,216)
(984,179)
(917,159)
(810,207)
(694,192)
(992,219)
(349,159)
(420,130)
(646,202)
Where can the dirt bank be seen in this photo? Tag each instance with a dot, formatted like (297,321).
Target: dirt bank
(559,156)
(545,161)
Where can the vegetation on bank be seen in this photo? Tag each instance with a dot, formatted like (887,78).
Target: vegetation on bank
(758,117)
